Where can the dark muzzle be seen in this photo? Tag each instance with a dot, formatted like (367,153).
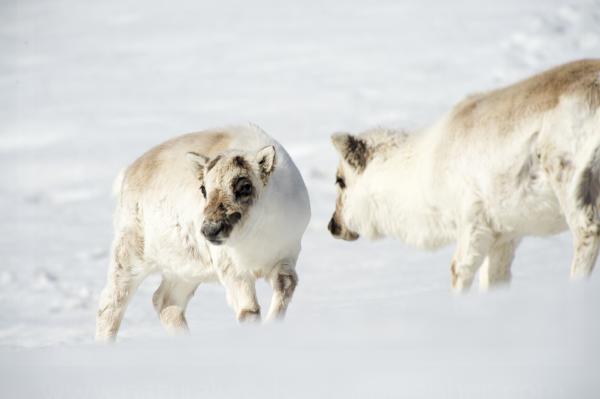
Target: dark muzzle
(216,231)
(333,227)
(212,230)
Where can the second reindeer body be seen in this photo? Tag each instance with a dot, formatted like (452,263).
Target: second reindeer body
(522,160)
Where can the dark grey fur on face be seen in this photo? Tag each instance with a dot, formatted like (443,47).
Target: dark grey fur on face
(243,190)
(240,162)
(354,150)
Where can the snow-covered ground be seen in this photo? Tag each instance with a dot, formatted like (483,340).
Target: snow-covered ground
(85,87)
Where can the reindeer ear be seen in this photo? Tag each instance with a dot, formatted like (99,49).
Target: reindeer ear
(198,162)
(197,159)
(353,150)
(266,162)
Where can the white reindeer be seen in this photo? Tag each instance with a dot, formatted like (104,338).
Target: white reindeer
(225,205)
(521,160)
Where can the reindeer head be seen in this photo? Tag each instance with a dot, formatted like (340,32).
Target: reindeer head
(358,179)
(230,184)
(355,154)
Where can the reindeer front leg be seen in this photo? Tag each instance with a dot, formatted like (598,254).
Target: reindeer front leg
(241,296)
(473,244)
(283,280)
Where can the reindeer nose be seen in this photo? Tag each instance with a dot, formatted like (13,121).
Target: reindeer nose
(211,230)
(234,217)
(333,227)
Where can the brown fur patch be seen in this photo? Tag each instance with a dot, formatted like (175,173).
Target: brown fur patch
(215,208)
(500,110)
(141,172)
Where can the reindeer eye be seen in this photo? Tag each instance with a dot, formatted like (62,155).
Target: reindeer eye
(203,190)
(243,188)
(340,182)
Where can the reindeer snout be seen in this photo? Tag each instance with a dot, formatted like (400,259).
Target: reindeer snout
(211,230)
(340,231)
(333,227)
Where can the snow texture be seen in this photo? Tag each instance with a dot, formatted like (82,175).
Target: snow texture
(86,87)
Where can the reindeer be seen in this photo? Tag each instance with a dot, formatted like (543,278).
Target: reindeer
(225,205)
(521,160)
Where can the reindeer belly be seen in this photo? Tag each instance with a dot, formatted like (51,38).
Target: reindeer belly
(529,207)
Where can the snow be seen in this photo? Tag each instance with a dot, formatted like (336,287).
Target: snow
(87,87)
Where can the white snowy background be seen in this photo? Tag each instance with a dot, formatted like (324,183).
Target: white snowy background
(87,86)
